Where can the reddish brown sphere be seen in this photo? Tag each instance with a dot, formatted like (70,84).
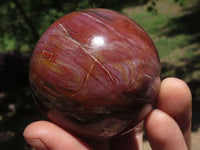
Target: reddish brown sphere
(95,73)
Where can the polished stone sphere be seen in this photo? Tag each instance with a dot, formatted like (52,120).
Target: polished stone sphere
(95,73)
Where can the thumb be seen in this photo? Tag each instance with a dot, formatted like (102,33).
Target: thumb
(43,135)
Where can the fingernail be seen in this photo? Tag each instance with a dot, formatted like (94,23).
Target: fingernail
(37,144)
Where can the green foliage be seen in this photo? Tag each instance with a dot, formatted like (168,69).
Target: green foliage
(24,21)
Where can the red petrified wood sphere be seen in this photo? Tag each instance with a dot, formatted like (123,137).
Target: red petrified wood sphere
(95,73)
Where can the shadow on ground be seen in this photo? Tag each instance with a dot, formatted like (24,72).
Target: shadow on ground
(188,24)
(191,66)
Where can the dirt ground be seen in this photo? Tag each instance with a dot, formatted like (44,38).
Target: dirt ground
(195,141)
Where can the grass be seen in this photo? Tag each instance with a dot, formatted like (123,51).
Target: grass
(157,24)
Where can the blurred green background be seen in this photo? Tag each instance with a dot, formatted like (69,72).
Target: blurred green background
(174,26)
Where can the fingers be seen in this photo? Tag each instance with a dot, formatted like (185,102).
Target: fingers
(175,99)
(43,135)
(163,132)
(168,127)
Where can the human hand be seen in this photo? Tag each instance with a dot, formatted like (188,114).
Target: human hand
(168,127)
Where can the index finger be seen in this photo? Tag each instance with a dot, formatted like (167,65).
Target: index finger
(175,99)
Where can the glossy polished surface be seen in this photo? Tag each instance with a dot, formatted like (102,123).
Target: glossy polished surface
(96,73)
